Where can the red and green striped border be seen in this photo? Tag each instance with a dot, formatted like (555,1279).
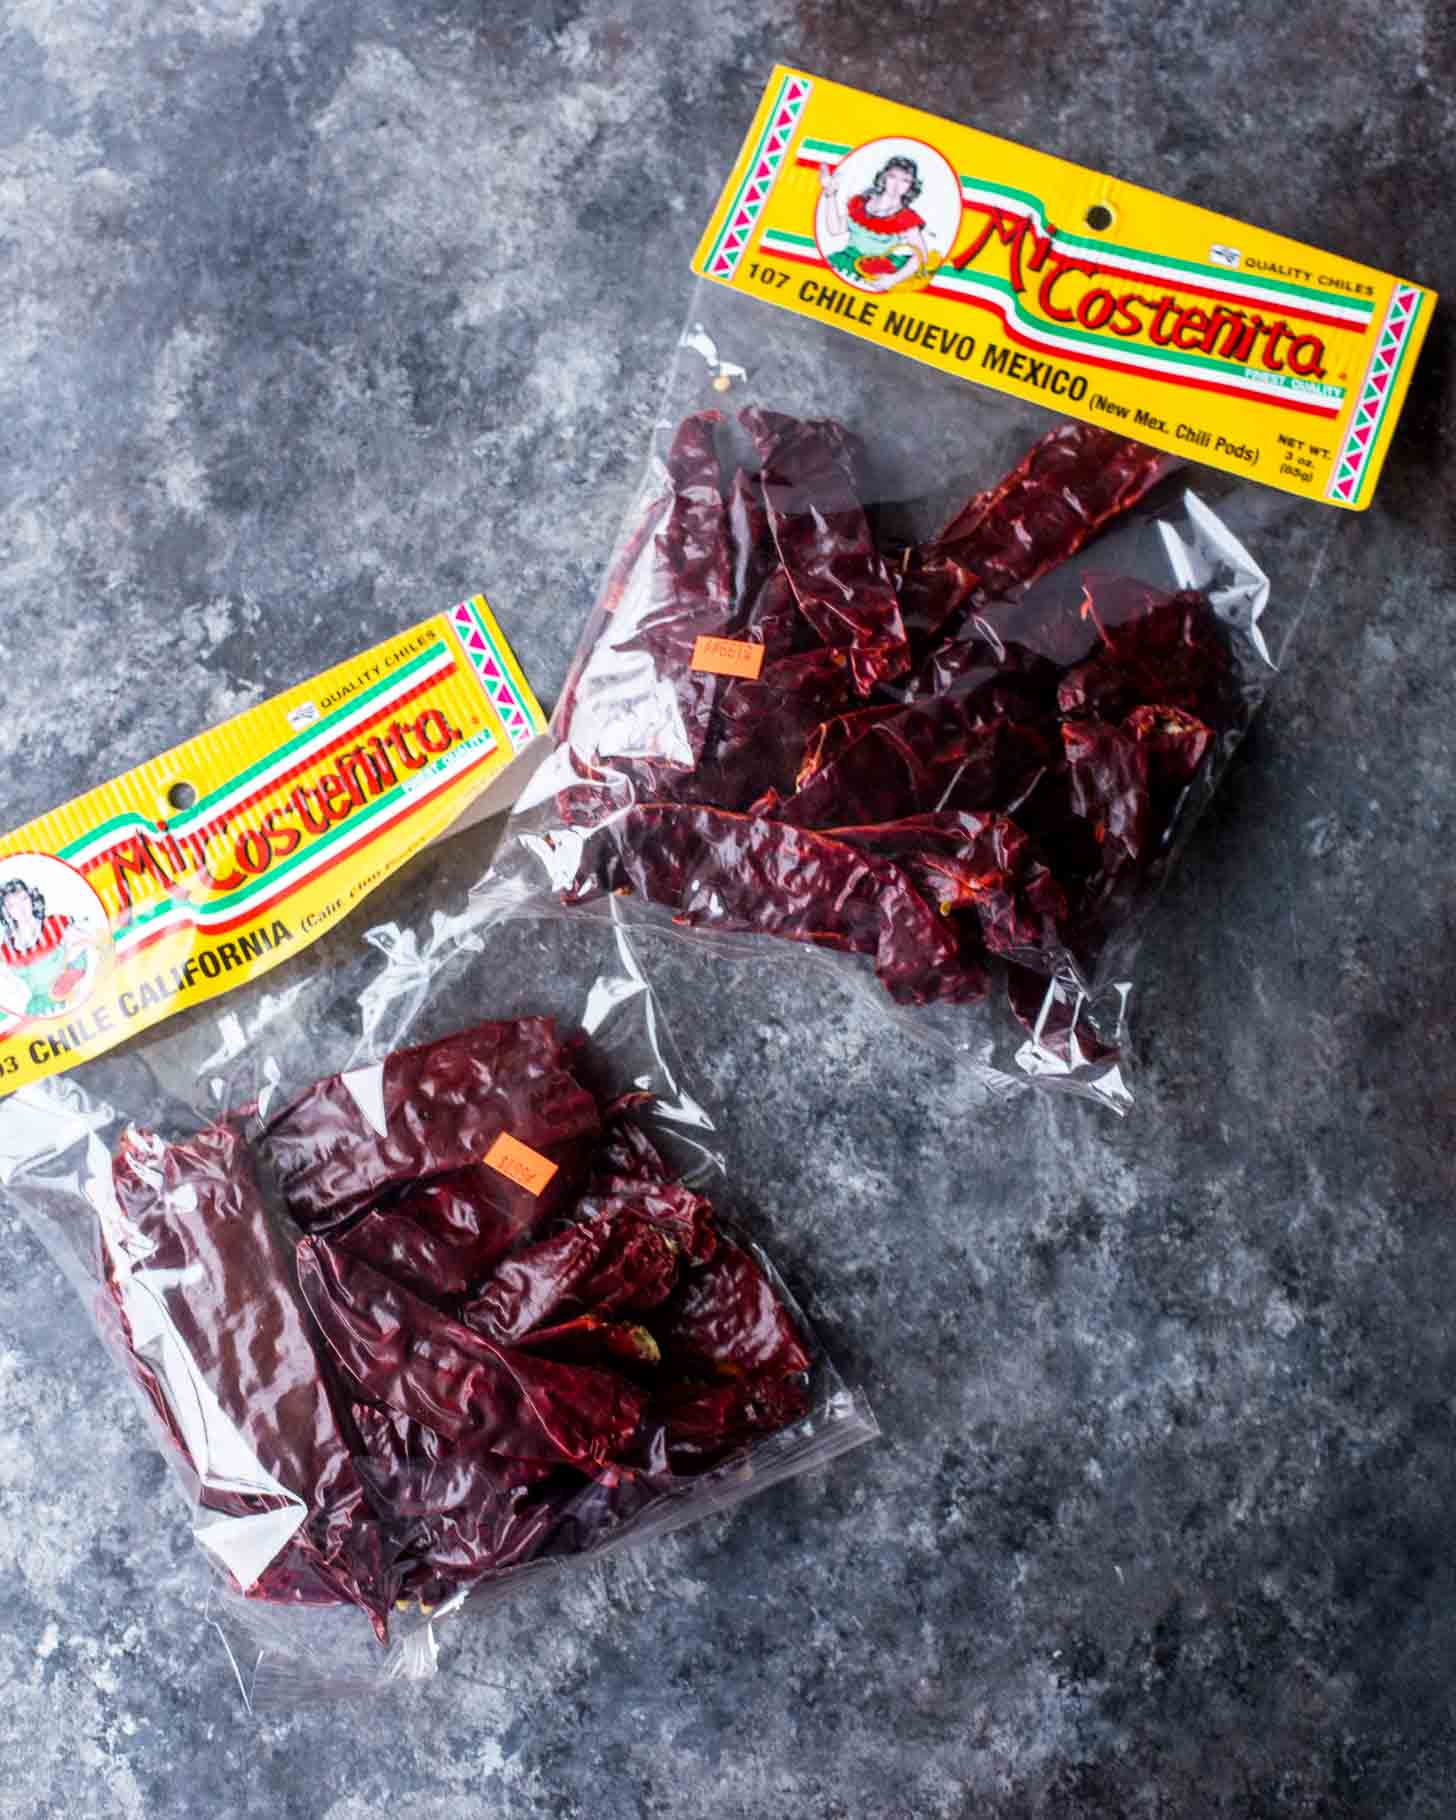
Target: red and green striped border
(519,713)
(760,173)
(1379,386)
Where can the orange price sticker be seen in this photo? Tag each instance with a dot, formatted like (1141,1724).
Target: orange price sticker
(728,657)
(519,1163)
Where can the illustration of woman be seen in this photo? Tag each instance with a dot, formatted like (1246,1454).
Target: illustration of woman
(48,956)
(886,236)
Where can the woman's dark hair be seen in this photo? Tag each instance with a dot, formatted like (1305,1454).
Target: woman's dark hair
(877,188)
(37,903)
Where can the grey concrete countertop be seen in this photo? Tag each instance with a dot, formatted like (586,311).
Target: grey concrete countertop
(316,316)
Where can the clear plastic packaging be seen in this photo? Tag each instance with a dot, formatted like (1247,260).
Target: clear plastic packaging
(393,1379)
(972,672)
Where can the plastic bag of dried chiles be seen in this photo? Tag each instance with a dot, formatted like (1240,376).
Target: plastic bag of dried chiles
(987,494)
(412,1244)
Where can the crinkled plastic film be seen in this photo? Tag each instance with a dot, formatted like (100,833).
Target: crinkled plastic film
(1125,615)
(213,1225)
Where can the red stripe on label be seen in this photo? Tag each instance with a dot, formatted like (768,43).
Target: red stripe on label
(1172,282)
(1254,395)
(350,737)
(285,886)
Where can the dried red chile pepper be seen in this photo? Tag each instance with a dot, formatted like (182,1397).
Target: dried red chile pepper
(422,1112)
(672,585)
(741,872)
(200,1265)
(1011,798)
(1066,487)
(445,1377)
(841,582)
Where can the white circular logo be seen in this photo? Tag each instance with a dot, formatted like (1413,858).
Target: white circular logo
(54,937)
(888,213)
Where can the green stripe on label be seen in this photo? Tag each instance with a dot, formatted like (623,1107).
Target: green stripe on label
(1391,389)
(752,165)
(315,735)
(1216,274)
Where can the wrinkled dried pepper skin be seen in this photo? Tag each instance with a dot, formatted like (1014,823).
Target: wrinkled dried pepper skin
(196,1243)
(741,872)
(977,865)
(421,1112)
(702,1424)
(402,1351)
(726,1320)
(451,1377)
(810,480)
(933,756)
(1158,650)
(466,1511)
(1076,728)
(441,1237)
(690,593)
(1066,487)
(604,1265)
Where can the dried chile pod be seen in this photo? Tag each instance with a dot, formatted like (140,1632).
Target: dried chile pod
(1069,484)
(934,585)
(764,722)
(1018,645)
(1131,783)
(501,1524)
(736,872)
(1011,652)
(1177,745)
(402,1351)
(419,1473)
(421,1112)
(810,480)
(939,850)
(933,755)
(766,611)
(201,1271)
(982,863)
(683,1216)
(442,1236)
(464,1511)
(589,1339)
(831,739)
(299,1576)
(689,591)
(625,1150)
(613,1264)
(392,1243)
(398,1449)
(1158,650)
(756,725)
(1108,770)
(726,1320)
(756,740)
(704,1423)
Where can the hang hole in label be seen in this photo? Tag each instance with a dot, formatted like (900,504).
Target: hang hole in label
(182,795)
(1100,217)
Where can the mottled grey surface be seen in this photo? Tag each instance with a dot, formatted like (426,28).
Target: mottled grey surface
(313,317)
